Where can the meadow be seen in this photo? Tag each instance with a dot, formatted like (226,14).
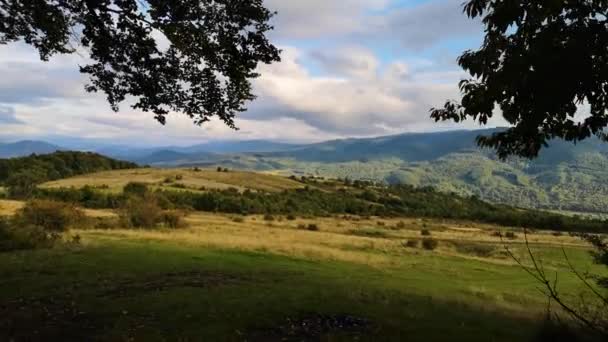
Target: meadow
(272,278)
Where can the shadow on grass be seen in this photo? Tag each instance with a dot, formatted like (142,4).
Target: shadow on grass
(154,291)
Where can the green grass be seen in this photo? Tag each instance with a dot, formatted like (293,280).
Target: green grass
(256,291)
(221,279)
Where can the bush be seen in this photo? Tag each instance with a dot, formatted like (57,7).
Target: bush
(24,237)
(54,217)
(400,225)
(135,189)
(425,232)
(291,217)
(369,232)
(173,219)
(476,249)
(179,177)
(301,226)
(312,227)
(511,235)
(381,224)
(411,243)
(430,244)
(238,219)
(268,217)
(141,212)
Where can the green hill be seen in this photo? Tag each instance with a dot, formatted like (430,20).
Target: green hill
(21,174)
(564,177)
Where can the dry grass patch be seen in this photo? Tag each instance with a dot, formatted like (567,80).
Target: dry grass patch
(188,178)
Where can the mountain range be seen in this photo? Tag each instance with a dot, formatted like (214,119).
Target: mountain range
(564,177)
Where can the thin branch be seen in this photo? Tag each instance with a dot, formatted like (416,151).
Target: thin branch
(539,274)
(582,279)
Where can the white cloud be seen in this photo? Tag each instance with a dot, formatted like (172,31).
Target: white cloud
(333,82)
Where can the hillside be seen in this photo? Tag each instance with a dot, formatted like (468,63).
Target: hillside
(177,179)
(565,176)
(40,168)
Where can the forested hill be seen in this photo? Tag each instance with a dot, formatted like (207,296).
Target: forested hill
(41,168)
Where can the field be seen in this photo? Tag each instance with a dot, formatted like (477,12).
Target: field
(190,179)
(254,278)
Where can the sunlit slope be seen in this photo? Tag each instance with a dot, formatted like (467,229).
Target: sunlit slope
(179,178)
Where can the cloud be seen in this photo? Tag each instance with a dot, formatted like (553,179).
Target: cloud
(425,25)
(350,68)
(358,96)
(8,117)
(308,19)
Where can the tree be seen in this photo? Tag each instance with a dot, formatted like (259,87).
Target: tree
(214,47)
(539,62)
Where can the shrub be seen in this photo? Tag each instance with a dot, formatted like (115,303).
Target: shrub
(135,189)
(425,232)
(381,224)
(511,235)
(54,217)
(430,244)
(368,232)
(411,243)
(268,217)
(219,169)
(105,223)
(238,219)
(291,217)
(173,219)
(477,249)
(179,177)
(141,212)
(301,226)
(168,180)
(24,237)
(312,227)
(400,225)
(497,234)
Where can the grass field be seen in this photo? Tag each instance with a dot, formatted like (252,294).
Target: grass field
(182,178)
(248,279)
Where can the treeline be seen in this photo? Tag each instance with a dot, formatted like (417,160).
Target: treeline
(21,175)
(392,201)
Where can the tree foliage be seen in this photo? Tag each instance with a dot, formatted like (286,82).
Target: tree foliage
(21,175)
(214,47)
(539,62)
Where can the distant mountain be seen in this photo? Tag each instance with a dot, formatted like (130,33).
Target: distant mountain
(564,177)
(170,158)
(245,146)
(26,148)
(410,147)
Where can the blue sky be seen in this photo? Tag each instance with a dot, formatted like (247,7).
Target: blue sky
(350,68)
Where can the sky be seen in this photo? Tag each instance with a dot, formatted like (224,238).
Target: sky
(350,68)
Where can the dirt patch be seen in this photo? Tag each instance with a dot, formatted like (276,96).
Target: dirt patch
(313,327)
(158,283)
